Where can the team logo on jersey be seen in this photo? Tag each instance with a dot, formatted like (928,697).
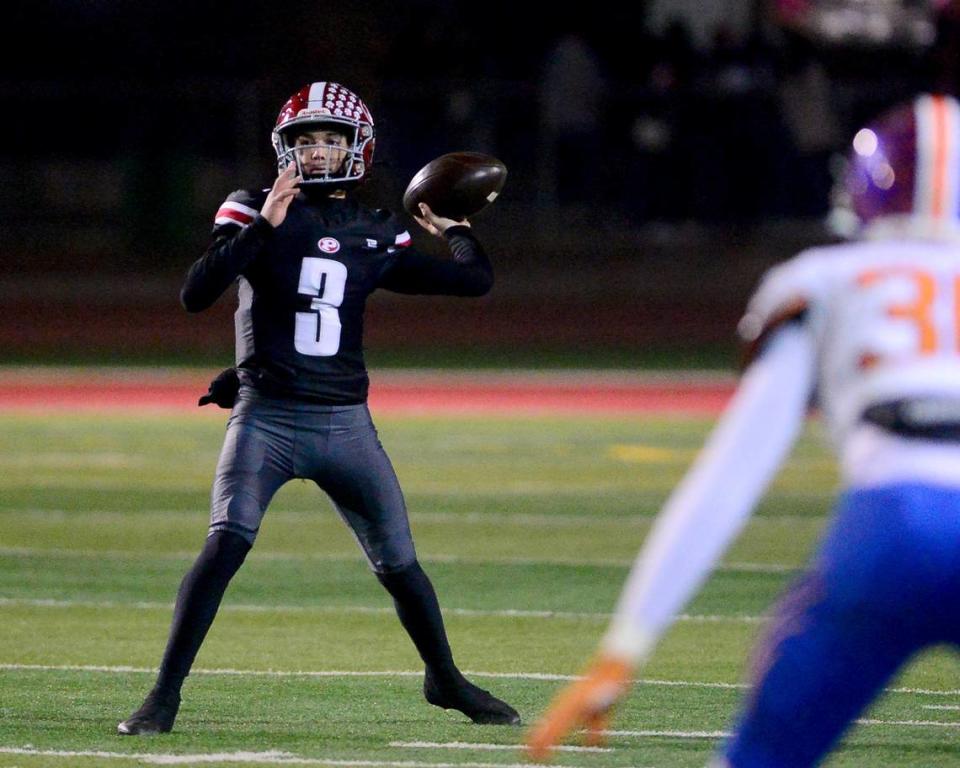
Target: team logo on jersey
(329,245)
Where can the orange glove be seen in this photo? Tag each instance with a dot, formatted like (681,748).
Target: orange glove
(586,702)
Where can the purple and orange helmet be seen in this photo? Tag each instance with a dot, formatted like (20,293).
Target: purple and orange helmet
(903,175)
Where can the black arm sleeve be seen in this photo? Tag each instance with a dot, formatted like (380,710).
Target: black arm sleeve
(224,260)
(468,273)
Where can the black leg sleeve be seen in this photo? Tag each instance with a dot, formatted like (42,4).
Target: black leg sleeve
(197,602)
(419,612)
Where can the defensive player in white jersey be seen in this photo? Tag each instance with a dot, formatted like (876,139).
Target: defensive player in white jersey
(871,327)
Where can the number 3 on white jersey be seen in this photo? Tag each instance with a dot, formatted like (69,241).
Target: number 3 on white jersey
(317,333)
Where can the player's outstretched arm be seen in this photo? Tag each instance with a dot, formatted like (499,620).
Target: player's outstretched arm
(692,531)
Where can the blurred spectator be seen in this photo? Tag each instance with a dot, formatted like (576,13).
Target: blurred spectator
(813,130)
(572,94)
(679,59)
(667,161)
(420,53)
(737,154)
(946,56)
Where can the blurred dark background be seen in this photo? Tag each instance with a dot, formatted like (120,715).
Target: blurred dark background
(661,155)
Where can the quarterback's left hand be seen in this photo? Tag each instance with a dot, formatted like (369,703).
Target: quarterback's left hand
(437,225)
(586,702)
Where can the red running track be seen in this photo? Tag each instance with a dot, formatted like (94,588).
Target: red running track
(391,392)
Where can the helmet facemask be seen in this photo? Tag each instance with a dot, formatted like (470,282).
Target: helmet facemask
(326,106)
(291,148)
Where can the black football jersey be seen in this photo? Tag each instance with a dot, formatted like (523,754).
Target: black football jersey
(303,287)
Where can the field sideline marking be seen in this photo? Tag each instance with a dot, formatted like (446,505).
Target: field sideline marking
(414,376)
(489,747)
(271,758)
(547,676)
(731,567)
(371,610)
(434,393)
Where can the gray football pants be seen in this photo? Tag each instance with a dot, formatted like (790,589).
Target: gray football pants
(270,441)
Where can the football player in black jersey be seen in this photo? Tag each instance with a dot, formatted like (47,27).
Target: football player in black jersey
(306,256)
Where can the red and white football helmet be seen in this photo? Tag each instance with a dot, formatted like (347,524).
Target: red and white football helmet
(320,105)
(903,171)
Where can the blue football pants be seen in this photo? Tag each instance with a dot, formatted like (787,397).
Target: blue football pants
(884,584)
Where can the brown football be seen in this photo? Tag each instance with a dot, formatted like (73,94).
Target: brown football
(456,185)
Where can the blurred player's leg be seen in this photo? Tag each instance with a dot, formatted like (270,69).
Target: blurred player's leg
(822,671)
(886,584)
(358,476)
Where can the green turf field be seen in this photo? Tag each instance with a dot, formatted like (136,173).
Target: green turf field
(527,527)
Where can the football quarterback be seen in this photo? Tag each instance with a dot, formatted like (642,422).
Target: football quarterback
(305,256)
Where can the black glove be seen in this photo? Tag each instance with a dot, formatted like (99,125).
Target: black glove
(223,389)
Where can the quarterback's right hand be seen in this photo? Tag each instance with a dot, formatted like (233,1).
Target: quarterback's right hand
(283,191)
(585,703)
(437,225)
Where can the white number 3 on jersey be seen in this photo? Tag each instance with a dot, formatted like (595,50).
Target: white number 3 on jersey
(317,333)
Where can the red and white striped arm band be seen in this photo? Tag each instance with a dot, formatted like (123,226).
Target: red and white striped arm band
(235,213)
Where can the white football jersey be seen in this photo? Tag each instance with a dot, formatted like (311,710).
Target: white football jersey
(885,317)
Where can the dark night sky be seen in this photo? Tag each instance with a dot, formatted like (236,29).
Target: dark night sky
(243,39)
(178,65)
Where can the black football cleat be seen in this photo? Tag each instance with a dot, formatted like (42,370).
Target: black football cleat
(479,705)
(156,715)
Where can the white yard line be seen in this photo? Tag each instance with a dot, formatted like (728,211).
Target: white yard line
(526,519)
(924,691)
(727,734)
(946,707)
(362,609)
(485,747)
(272,757)
(671,734)
(573,562)
(918,723)
(226,672)
(545,676)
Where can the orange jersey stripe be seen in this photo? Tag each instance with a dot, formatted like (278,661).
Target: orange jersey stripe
(940,155)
